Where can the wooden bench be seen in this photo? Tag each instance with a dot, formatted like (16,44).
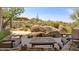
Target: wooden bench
(42,41)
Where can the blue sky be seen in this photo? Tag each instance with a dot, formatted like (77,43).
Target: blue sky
(46,13)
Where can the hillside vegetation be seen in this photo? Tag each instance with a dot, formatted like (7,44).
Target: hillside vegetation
(23,23)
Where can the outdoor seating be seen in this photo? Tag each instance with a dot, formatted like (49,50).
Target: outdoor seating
(42,41)
(25,48)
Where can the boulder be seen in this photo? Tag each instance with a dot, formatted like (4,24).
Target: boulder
(46,29)
(36,34)
(42,29)
(50,29)
(37,28)
(53,34)
(62,29)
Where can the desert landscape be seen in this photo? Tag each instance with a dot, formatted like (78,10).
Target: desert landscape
(19,33)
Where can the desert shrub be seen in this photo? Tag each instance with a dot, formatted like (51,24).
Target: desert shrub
(69,29)
(50,23)
(56,25)
(54,34)
(27,26)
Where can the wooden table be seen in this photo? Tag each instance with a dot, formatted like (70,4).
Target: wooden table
(42,41)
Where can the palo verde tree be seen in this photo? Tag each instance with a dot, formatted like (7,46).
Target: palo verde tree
(75,16)
(1,20)
(10,14)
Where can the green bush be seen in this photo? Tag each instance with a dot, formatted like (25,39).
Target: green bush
(69,29)
(56,25)
(4,34)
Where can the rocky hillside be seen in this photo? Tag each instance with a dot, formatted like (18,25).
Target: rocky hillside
(25,24)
